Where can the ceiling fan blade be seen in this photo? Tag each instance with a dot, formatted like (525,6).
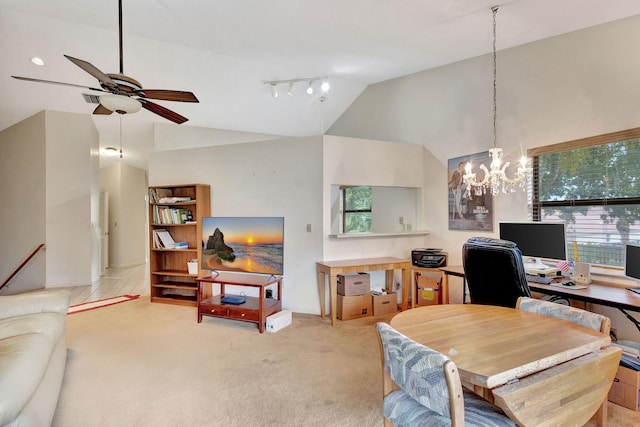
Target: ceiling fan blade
(29,79)
(101,109)
(162,111)
(167,95)
(91,69)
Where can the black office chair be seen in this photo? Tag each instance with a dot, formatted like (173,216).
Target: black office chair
(494,271)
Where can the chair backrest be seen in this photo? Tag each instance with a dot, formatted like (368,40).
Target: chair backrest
(591,320)
(427,376)
(494,271)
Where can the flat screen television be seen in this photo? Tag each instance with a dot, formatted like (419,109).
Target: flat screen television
(243,244)
(537,240)
(632,262)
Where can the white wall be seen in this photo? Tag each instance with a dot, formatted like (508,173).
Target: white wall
(349,161)
(274,178)
(72,163)
(568,87)
(166,135)
(23,190)
(127,188)
(50,170)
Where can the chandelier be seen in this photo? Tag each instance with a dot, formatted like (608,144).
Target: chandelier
(496,179)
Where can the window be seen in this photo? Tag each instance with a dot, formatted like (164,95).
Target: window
(356,213)
(592,184)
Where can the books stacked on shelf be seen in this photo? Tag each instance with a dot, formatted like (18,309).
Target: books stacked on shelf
(163,240)
(630,354)
(181,245)
(174,199)
(164,195)
(156,194)
(166,215)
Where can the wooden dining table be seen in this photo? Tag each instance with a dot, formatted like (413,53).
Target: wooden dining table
(540,370)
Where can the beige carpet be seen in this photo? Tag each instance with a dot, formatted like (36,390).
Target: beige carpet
(143,364)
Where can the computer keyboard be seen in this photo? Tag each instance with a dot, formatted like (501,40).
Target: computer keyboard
(539,279)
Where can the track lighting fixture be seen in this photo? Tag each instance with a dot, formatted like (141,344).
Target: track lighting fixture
(292,82)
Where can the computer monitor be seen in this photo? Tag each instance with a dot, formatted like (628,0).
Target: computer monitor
(632,262)
(537,240)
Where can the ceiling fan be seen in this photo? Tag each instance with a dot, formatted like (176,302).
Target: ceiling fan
(123,93)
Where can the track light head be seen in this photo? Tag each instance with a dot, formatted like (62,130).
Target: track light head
(292,83)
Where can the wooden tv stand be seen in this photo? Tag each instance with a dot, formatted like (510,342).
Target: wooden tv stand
(254,309)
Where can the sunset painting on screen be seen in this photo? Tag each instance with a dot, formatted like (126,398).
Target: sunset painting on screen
(245,244)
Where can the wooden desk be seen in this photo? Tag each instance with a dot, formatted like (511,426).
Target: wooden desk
(458,271)
(334,268)
(495,348)
(597,292)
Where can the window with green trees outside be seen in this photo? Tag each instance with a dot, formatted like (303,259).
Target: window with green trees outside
(593,185)
(356,209)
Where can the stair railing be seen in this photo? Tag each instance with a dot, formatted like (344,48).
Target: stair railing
(17,270)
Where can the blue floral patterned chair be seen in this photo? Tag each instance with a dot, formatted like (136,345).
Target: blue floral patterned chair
(585,318)
(591,320)
(421,387)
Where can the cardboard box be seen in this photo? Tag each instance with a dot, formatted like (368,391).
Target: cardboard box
(354,284)
(429,289)
(278,320)
(354,306)
(625,390)
(385,304)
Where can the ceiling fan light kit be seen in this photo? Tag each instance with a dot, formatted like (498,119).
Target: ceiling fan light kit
(120,104)
(125,95)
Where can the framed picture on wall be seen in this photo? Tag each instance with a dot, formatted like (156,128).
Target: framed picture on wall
(472,211)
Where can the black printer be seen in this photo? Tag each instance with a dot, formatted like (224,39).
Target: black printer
(428,258)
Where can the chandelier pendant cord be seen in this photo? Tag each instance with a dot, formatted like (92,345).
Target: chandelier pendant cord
(495,78)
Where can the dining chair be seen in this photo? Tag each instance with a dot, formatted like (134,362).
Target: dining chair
(594,321)
(494,271)
(422,387)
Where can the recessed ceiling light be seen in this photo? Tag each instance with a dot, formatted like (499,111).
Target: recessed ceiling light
(37,60)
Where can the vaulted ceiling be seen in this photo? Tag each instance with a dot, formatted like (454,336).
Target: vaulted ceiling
(224,50)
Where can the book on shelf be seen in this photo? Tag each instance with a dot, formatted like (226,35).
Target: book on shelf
(174,199)
(165,195)
(181,245)
(166,215)
(630,362)
(162,239)
(153,196)
(630,347)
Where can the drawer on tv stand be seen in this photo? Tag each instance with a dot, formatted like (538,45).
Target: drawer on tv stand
(247,315)
(213,310)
